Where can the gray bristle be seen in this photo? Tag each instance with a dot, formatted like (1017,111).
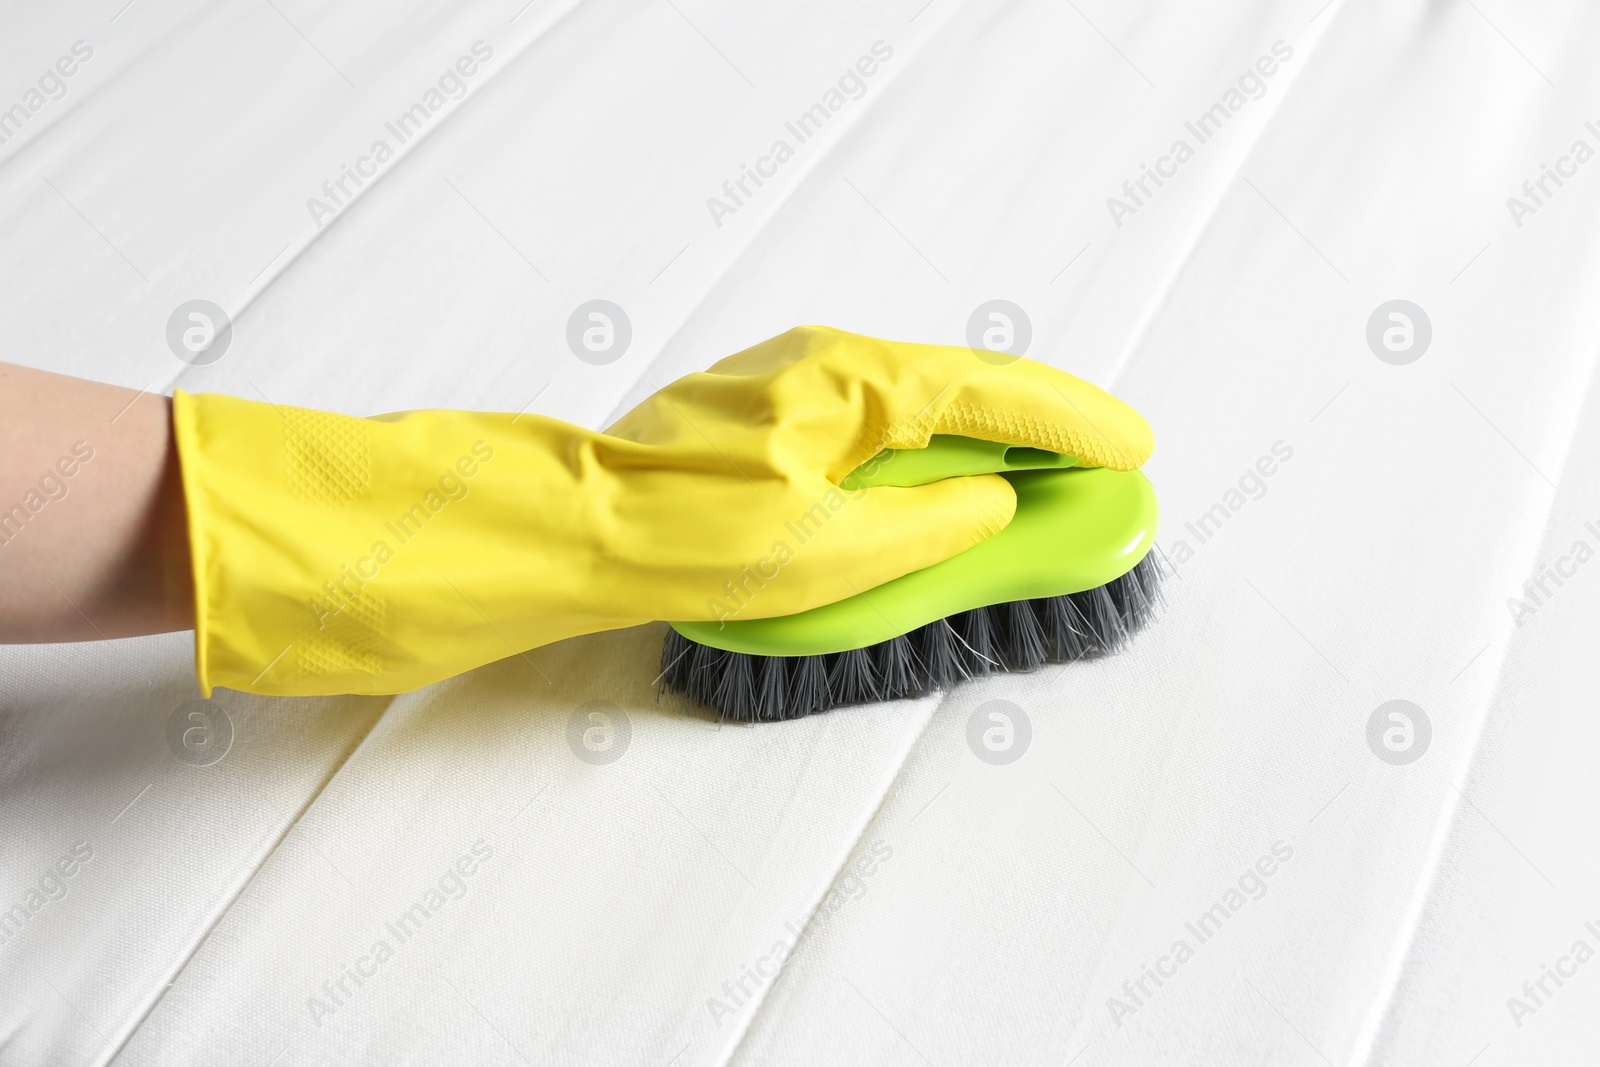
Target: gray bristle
(1105,620)
(809,686)
(1020,635)
(852,678)
(701,671)
(1023,649)
(977,631)
(898,667)
(772,687)
(675,653)
(1066,634)
(674,656)
(735,690)
(939,648)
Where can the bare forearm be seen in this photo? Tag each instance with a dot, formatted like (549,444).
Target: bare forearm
(92,536)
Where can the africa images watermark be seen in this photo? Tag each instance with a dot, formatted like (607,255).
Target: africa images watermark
(453,486)
(54,485)
(1538,992)
(851,885)
(47,889)
(1537,191)
(741,589)
(1252,485)
(1538,590)
(1251,885)
(450,886)
(851,85)
(1252,85)
(337,192)
(50,87)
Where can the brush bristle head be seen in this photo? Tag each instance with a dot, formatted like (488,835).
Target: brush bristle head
(1022,635)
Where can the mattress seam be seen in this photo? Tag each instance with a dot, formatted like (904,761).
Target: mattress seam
(760,1003)
(281,266)
(1382,1006)
(225,908)
(803,175)
(1117,368)
(135,1025)
(804,933)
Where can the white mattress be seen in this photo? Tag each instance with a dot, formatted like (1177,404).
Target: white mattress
(858,887)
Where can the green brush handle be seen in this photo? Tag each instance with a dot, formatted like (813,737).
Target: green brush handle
(948,456)
(1073,530)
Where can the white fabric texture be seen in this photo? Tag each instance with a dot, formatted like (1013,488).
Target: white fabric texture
(858,887)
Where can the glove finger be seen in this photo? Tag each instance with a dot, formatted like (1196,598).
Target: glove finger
(831,399)
(903,393)
(878,535)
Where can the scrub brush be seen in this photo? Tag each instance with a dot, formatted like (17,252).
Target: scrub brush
(1070,577)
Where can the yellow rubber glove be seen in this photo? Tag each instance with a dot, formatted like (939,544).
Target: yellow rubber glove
(335,554)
